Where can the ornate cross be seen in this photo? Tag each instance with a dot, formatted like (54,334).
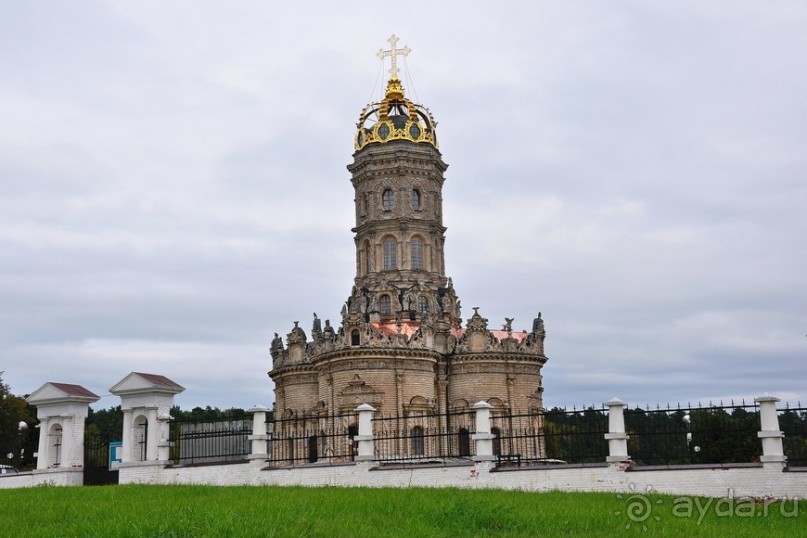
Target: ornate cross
(393,53)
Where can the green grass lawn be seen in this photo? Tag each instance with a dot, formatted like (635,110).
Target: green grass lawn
(364,512)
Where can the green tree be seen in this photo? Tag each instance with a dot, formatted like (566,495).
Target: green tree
(16,439)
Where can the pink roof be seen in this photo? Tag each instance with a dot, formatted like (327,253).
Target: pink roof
(411,327)
(159,380)
(75,390)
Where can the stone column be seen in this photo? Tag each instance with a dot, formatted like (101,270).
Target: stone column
(163,424)
(259,435)
(616,436)
(483,437)
(365,437)
(152,435)
(773,454)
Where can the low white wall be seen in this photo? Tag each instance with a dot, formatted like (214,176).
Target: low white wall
(50,477)
(711,482)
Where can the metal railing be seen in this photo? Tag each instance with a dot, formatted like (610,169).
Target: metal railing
(693,435)
(793,422)
(550,437)
(325,439)
(423,437)
(220,440)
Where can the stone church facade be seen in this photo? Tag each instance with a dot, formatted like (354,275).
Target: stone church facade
(400,345)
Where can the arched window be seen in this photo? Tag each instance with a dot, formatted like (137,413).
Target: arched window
(390,253)
(414,200)
(55,445)
(464,438)
(385,304)
(313,456)
(140,438)
(497,441)
(423,304)
(416,441)
(355,339)
(416,248)
(388,200)
(353,431)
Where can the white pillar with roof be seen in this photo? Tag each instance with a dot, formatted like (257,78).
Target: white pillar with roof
(146,401)
(61,409)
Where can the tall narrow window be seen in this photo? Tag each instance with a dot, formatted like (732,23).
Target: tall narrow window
(423,304)
(464,438)
(414,200)
(390,253)
(385,304)
(416,441)
(497,441)
(312,449)
(416,246)
(388,200)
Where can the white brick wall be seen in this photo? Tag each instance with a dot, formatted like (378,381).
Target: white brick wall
(711,482)
(53,477)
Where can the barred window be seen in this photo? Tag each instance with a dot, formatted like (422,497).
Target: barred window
(390,253)
(416,247)
(385,304)
(414,200)
(416,439)
(423,304)
(388,200)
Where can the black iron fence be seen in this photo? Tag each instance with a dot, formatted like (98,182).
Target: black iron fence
(670,436)
(554,436)
(422,437)
(97,469)
(313,439)
(220,440)
(693,435)
(793,422)
(17,449)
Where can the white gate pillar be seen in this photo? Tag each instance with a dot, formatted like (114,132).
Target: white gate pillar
(772,450)
(259,435)
(365,437)
(61,409)
(483,437)
(616,436)
(149,397)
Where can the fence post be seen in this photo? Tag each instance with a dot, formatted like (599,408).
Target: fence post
(616,436)
(483,437)
(164,433)
(772,449)
(365,436)
(259,435)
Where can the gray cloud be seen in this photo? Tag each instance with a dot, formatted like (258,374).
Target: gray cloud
(174,187)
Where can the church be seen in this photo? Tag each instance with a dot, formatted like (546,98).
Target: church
(401,345)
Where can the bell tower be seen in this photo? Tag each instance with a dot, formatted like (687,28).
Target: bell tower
(400,344)
(397,175)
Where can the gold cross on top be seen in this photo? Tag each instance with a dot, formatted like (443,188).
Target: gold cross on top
(393,53)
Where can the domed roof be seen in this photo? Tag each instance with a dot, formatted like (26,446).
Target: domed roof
(395,118)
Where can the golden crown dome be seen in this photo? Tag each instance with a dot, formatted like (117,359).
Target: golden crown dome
(395,118)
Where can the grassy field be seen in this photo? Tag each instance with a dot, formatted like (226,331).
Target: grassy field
(274,511)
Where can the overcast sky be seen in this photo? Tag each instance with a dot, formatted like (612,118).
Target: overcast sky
(174,187)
